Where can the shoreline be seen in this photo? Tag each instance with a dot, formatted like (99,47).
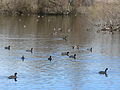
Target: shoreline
(24,8)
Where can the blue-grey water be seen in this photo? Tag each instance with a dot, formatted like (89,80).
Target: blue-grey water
(45,35)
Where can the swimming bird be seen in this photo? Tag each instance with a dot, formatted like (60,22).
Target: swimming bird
(73,56)
(50,58)
(73,47)
(76,47)
(65,53)
(13,76)
(65,38)
(7,47)
(89,49)
(31,50)
(103,72)
(22,58)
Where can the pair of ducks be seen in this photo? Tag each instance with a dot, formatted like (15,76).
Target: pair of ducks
(29,50)
(77,47)
(67,53)
(15,74)
(64,53)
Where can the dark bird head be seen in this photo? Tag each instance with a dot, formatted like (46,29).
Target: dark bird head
(91,49)
(65,38)
(9,46)
(74,55)
(106,69)
(31,49)
(15,74)
(68,53)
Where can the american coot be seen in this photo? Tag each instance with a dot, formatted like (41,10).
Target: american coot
(103,72)
(76,47)
(22,58)
(13,76)
(89,49)
(31,50)
(65,53)
(65,38)
(73,56)
(50,58)
(7,47)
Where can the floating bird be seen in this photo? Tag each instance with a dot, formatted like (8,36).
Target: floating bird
(65,53)
(13,76)
(76,46)
(90,49)
(22,58)
(31,50)
(73,47)
(65,38)
(7,47)
(73,56)
(103,72)
(50,58)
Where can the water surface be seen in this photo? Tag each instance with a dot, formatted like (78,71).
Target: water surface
(62,73)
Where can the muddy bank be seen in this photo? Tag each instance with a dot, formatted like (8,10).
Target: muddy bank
(42,6)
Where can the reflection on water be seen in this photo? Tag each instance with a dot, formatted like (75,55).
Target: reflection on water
(45,36)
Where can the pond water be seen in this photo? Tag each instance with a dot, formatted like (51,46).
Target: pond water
(45,36)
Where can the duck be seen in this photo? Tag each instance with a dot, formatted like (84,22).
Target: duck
(22,58)
(65,53)
(50,58)
(8,47)
(13,76)
(89,49)
(30,50)
(73,47)
(103,72)
(76,47)
(73,56)
(65,38)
